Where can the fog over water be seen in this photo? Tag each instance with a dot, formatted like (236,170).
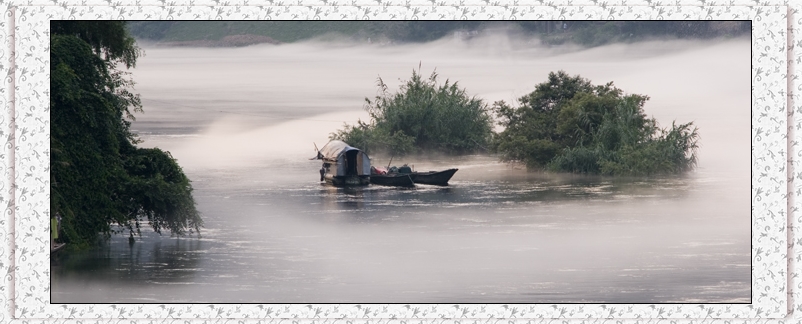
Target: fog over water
(242,123)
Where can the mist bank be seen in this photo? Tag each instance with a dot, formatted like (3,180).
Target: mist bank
(584,33)
(319,86)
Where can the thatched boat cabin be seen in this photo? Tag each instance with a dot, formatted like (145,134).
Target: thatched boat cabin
(344,165)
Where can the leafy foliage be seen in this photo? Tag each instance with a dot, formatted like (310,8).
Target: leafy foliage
(158,190)
(107,38)
(423,115)
(567,124)
(98,176)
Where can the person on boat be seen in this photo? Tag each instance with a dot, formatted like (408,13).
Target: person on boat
(323,171)
(404,169)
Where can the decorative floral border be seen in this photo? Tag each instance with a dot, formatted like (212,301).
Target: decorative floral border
(24,189)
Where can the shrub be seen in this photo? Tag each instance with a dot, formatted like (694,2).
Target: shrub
(423,116)
(569,125)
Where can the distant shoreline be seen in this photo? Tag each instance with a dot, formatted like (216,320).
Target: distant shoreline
(227,41)
(584,33)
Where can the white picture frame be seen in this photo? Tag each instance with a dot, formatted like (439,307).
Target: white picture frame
(24,163)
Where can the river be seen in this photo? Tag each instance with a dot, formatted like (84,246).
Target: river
(242,123)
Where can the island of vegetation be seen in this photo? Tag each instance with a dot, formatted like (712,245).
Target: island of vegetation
(423,116)
(100,181)
(566,124)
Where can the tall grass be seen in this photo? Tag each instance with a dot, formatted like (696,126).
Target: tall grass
(422,116)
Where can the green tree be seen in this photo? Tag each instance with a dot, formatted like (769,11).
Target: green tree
(423,116)
(567,124)
(99,178)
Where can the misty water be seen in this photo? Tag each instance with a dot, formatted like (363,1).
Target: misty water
(242,123)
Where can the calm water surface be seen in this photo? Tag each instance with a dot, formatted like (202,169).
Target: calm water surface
(242,122)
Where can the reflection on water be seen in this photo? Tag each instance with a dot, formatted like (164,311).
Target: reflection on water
(153,260)
(496,234)
(522,237)
(483,194)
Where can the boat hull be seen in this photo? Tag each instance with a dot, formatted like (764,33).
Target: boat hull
(398,180)
(438,178)
(347,181)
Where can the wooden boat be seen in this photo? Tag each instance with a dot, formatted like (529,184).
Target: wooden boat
(55,247)
(392,179)
(439,178)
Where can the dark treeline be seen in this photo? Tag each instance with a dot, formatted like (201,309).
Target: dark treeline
(587,33)
(98,176)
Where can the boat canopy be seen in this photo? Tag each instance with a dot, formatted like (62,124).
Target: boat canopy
(349,160)
(333,149)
